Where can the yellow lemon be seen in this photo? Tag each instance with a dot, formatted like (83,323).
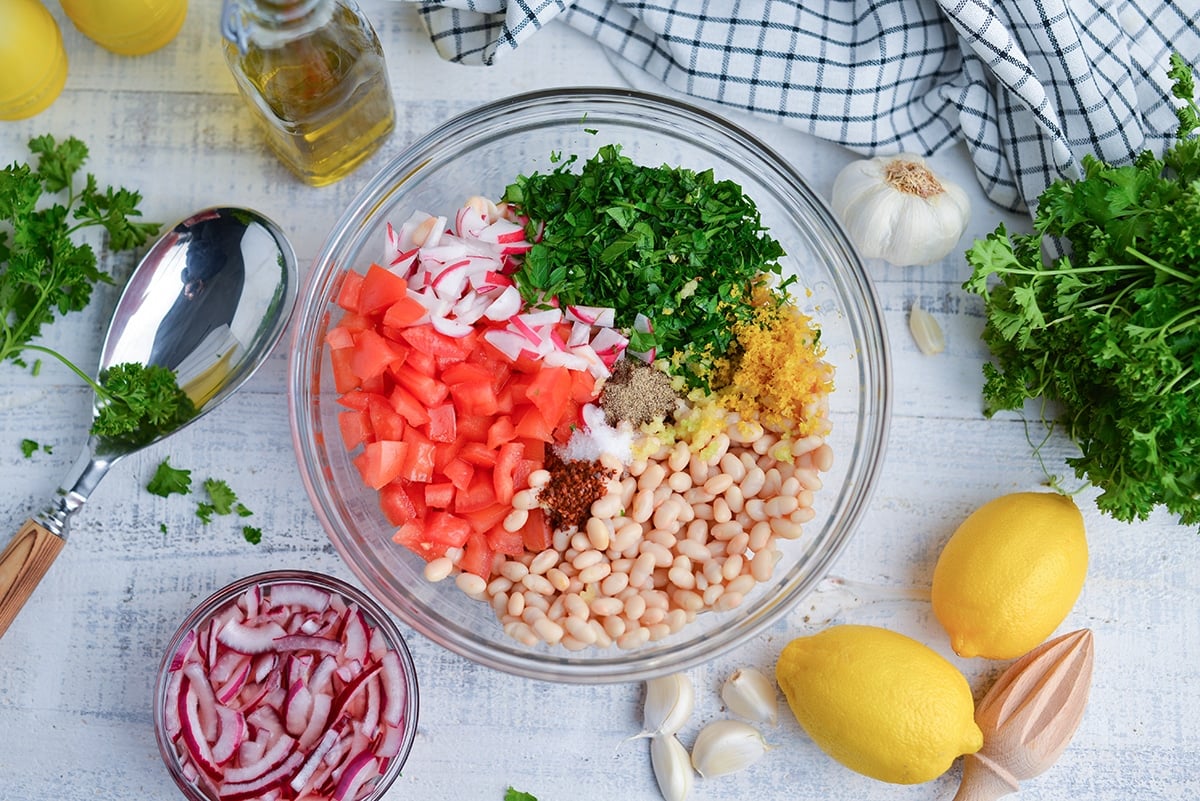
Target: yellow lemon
(879,702)
(1010,574)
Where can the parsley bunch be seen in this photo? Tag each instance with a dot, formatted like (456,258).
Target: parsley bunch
(45,274)
(675,245)
(1111,330)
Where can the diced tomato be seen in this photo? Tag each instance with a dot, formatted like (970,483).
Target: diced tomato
(404,312)
(509,543)
(373,354)
(355,322)
(349,291)
(524,468)
(502,474)
(385,421)
(444,453)
(447,528)
(418,460)
(355,427)
(380,289)
(532,424)
(467,373)
(583,386)
(477,556)
(378,385)
(408,407)
(479,493)
(537,533)
(423,362)
(459,471)
(549,391)
(488,517)
(381,461)
(412,536)
(500,432)
(428,389)
(478,453)
(443,426)
(396,501)
(344,378)
(357,400)
(474,398)
(339,337)
(474,427)
(424,338)
(439,495)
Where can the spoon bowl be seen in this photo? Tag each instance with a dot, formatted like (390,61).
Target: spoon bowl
(209,301)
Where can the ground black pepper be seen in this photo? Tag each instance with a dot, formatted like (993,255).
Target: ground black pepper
(573,487)
(636,392)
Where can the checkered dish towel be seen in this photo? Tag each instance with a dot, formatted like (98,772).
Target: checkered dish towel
(1029,85)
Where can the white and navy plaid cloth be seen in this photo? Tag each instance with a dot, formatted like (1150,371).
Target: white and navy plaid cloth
(1029,85)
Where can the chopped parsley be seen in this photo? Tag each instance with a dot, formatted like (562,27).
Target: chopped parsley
(29,447)
(252,534)
(516,795)
(679,247)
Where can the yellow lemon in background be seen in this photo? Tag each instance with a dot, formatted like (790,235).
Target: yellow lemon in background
(1010,574)
(33,63)
(879,702)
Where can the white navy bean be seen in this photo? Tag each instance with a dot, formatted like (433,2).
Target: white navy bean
(471,584)
(438,569)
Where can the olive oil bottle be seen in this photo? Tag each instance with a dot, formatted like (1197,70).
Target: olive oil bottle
(313,73)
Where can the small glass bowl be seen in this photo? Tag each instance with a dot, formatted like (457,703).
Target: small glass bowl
(376,620)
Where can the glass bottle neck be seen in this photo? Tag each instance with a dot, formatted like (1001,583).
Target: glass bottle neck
(269,22)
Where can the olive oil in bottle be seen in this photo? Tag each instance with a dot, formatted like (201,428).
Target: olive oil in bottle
(313,73)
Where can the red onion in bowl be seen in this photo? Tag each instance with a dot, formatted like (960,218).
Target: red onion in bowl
(282,685)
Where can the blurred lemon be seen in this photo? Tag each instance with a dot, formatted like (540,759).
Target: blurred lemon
(33,64)
(879,702)
(1010,574)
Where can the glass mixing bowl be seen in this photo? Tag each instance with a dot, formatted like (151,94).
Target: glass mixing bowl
(480,153)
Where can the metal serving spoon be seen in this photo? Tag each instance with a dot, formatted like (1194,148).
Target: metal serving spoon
(209,300)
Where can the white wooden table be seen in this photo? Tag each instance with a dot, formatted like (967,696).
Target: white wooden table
(77,667)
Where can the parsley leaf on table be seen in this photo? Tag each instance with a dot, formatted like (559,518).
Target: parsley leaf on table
(516,795)
(1111,329)
(29,447)
(168,480)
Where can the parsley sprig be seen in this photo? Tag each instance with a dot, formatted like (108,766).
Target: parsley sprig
(675,245)
(45,274)
(1111,329)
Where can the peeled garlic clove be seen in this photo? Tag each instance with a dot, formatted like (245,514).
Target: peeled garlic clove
(669,703)
(1029,716)
(672,767)
(726,746)
(751,695)
(925,331)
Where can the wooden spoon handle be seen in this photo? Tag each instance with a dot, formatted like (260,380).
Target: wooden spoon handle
(22,565)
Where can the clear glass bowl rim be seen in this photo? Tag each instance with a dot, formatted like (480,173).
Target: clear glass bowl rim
(230,592)
(559,106)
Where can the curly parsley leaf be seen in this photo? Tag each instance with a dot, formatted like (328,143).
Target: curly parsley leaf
(29,448)
(252,534)
(169,480)
(222,496)
(1111,329)
(516,795)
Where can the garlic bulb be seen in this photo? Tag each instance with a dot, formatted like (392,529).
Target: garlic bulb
(1029,716)
(672,767)
(669,703)
(726,746)
(751,695)
(895,208)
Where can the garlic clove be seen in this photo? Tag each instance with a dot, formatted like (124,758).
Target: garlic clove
(1029,716)
(669,704)
(726,746)
(751,695)
(925,331)
(672,767)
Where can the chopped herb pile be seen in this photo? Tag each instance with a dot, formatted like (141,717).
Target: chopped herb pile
(677,246)
(45,274)
(1111,330)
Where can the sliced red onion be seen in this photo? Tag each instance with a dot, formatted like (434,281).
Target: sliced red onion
(251,639)
(360,770)
(297,594)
